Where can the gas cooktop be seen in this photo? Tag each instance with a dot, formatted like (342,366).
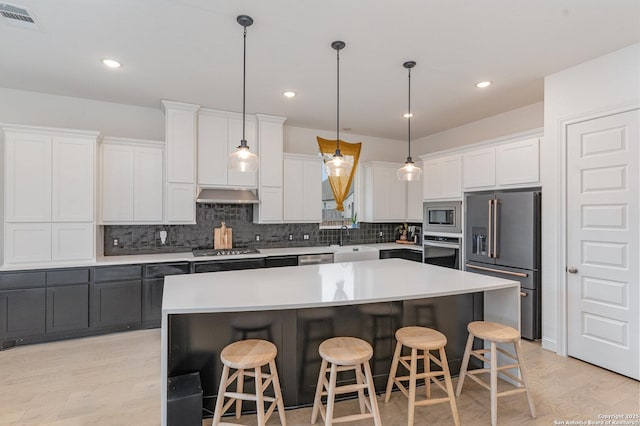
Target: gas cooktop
(224,252)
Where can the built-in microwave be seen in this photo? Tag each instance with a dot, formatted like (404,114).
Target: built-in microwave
(444,216)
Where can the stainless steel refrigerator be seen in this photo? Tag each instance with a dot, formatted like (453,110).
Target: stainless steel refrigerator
(502,234)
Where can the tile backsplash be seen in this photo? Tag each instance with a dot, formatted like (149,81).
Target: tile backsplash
(145,239)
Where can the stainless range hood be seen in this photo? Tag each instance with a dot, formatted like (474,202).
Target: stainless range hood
(227,196)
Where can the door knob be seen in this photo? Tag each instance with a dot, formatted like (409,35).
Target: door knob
(572,269)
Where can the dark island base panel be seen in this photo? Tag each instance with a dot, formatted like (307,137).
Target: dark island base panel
(195,340)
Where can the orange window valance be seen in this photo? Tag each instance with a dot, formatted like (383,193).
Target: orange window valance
(351,152)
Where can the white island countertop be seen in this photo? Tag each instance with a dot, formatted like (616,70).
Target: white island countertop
(319,285)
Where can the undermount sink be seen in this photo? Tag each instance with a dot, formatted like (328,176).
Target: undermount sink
(354,253)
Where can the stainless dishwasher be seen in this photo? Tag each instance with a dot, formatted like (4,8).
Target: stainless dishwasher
(315,259)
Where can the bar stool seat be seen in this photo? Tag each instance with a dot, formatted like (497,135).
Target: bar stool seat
(252,354)
(345,354)
(426,340)
(493,333)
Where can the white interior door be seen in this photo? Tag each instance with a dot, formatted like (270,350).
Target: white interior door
(602,242)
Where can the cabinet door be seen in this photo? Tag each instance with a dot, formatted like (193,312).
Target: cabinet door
(148,183)
(27,178)
(67,308)
(432,178)
(22,313)
(117,183)
(212,150)
(181,145)
(152,301)
(397,197)
(312,191)
(270,208)
(381,189)
(116,304)
(451,172)
(271,148)
(72,241)
(73,180)
(517,163)
(181,205)
(235,178)
(479,168)
(27,242)
(293,190)
(414,201)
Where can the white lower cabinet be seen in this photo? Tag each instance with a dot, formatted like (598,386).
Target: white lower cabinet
(302,189)
(27,242)
(181,206)
(72,241)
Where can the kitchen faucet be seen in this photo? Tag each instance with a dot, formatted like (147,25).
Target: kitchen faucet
(343,227)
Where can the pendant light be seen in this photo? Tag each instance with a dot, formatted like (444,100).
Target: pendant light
(409,171)
(338,166)
(243,160)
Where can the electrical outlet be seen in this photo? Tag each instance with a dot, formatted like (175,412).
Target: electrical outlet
(115,241)
(305,237)
(380,234)
(257,237)
(290,237)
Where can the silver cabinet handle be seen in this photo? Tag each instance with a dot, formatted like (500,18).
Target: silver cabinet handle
(572,269)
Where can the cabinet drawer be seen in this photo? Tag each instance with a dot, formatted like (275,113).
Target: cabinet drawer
(228,265)
(162,270)
(15,280)
(67,276)
(117,273)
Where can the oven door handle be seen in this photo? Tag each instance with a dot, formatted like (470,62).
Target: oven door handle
(443,245)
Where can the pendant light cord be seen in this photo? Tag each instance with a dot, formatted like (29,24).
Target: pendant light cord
(243,142)
(338,103)
(409,118)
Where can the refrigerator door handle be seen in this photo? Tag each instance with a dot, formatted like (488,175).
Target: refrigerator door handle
(489,230)
(499,271)
(495,228)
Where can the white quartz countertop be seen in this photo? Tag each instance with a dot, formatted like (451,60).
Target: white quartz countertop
(319,285)
(189,257)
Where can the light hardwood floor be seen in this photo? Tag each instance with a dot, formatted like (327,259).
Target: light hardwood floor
(114,380)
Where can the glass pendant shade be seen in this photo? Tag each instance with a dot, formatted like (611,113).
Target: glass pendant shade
(338,166)
(409,172)
(243,160)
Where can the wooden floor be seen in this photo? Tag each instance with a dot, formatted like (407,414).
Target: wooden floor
(114,380)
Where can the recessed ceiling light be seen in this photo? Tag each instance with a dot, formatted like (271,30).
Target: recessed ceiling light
(407,115)
(111,63)
(483,84)
(289,94)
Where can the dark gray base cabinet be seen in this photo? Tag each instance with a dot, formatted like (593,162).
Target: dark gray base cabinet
(22,314)
(116,304)
(406,254)
(68,308)
(152,302)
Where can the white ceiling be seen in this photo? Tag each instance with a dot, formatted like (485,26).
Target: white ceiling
(191,51)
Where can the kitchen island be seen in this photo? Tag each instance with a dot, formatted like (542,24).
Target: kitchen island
(298,307)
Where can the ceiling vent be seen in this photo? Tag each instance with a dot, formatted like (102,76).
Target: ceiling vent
(17,16)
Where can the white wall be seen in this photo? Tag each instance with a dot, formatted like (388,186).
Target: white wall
(301,140)
(41,109)
(510,122)
(598,87)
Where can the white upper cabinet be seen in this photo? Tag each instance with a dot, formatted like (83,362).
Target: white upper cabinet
(132,181)
(180,207)
(479,168)
(219,134)
(442,178)
(181,141)
(518,163)
(302,188)
(73,180)
(270,143)
(27,177)
(385,195)
(414,201)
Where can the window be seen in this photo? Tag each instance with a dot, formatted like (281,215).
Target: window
(331,217)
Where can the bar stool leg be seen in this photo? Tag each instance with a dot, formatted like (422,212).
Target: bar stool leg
(525,380)
(372,395)
(259,397)
(328,421)
(317,400)
(220,399)
(427,369)
(494,385)
(465,364)
(392,373)
(449,385)
(360,380)
(278,392)
(239,389)
(412,384)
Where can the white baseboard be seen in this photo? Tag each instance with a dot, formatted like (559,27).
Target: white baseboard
(549,344)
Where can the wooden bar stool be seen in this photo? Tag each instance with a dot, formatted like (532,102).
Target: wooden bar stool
(345,354)
(425,340)
(495,333)
(245,355)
